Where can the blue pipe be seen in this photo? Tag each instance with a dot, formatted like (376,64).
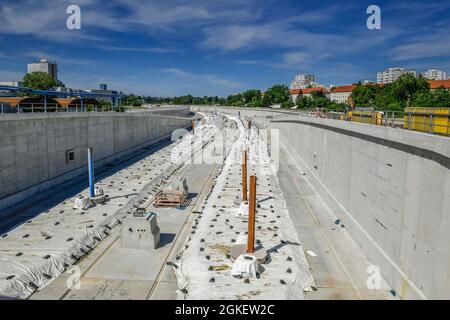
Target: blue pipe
(91,173)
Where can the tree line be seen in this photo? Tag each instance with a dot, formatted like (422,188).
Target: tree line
(406,91)
(277,94)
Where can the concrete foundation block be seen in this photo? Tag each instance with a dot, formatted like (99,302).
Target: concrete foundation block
(141,232)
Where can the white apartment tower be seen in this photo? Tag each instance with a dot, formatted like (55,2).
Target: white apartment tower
(303,81)
(435,74)
(46,66)
(392,74)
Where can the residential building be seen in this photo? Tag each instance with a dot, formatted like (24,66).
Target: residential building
(435,74)
(341,94)
(392,74)
(296,93)
(436,84)
(44,65)
(303,81)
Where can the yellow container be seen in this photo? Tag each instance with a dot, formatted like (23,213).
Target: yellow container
(370,117)
(432,120)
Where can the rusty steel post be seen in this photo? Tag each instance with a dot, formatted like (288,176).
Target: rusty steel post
(251,216)
(193,126)
(244,176)
(249,124)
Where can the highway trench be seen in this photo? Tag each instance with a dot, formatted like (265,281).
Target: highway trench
(109,272)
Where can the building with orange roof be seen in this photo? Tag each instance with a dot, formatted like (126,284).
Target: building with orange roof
(341,94)
(436,84)
(296,93)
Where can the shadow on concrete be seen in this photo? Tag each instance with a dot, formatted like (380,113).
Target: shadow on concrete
(165,239)
(124,196)
(281,245)
(192,195)
(265,199)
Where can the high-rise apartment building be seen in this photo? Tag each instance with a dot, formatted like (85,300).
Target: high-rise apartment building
(303,81)
(392,74)
(435,74)
(44,65)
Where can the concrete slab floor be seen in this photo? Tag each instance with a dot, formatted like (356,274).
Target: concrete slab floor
(337,263)
(110,272)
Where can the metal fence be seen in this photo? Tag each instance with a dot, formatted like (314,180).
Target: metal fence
(429,120)
(51,107)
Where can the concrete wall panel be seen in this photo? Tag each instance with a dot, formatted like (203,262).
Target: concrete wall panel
(391,188)
(33,146)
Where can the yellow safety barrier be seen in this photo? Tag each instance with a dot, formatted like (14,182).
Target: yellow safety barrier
(370,117)
(431,120)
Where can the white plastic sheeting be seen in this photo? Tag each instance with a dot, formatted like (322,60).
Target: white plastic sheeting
(203,266)
(36,252)
(245,266)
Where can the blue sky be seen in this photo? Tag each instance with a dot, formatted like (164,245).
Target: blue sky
(219,47)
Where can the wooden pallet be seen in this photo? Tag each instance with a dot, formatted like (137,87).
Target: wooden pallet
(170,198)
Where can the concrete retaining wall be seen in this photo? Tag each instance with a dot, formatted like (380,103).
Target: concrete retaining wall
(33,147)
(392,189)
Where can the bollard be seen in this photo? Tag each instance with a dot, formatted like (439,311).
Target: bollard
(91,173)
(251,216)
(193,127)
(244,176)
(249,124)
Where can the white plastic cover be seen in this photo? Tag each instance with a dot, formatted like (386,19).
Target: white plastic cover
(33,254)
(246,265)
(83,203)
(203,266)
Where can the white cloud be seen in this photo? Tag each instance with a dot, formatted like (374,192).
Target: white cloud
(203,78)
(143,49)
(436,45)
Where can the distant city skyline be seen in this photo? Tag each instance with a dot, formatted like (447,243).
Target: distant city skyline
(222,47)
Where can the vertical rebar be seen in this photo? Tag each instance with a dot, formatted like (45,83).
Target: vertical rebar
(251,216)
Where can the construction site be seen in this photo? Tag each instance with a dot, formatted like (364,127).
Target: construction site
(217,203)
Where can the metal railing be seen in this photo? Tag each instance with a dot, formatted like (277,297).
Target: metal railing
(51,107)
(429,120)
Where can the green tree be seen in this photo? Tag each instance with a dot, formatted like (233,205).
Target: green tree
(405,89)
(235,100)
(364,95)
(39,81)
(252,98)
(278,94)
(439,98)
(304,102)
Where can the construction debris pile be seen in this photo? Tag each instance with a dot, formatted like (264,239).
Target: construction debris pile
(204,267)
